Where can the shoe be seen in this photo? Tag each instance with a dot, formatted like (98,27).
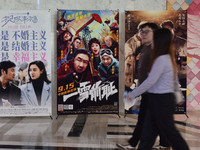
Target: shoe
(126,147)
(161,147)
(156,147)
(164,148)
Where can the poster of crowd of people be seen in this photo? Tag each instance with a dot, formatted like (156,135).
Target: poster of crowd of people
(25,63)
(138,25)
(87,61)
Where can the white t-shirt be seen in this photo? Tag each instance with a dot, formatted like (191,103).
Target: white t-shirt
(160,80)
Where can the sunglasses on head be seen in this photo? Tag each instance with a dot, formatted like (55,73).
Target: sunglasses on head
(107,51)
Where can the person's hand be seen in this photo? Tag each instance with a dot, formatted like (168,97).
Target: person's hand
(138,56)
(129,98)
(71,77)
(6,103)
(75,75)
(180,103)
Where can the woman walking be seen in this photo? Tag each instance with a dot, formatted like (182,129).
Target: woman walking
(160,84)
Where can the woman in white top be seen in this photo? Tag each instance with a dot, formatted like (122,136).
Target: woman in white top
(37,92)
(160,85)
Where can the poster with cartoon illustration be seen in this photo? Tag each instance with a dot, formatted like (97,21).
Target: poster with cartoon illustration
(25,63)
(138,44)
(87,61)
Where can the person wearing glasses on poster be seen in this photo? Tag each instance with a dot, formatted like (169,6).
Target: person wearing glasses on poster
(108,67)
(37,92)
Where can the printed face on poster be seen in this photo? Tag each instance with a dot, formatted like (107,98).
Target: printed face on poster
(87,61)
(25,63)
(136,39)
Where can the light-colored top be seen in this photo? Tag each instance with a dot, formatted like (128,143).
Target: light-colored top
(160,80)
(28,95)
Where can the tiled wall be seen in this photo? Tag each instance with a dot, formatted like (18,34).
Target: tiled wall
(193,52)
(178,4)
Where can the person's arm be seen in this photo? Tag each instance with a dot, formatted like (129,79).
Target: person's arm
(178,93)
(6,103)
(177,85)
(155,73)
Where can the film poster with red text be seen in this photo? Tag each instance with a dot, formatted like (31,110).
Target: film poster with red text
(87,61)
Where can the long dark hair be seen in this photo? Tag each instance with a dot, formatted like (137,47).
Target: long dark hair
(41,66)
(162,44)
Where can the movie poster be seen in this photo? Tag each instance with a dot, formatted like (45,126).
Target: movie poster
(176,21)
(87,61)
(25,63)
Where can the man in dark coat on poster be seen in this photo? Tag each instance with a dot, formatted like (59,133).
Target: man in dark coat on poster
(9,93)
(71,75)
(76,70)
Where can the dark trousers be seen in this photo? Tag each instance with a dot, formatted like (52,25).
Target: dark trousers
(159,120)
(133,141)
